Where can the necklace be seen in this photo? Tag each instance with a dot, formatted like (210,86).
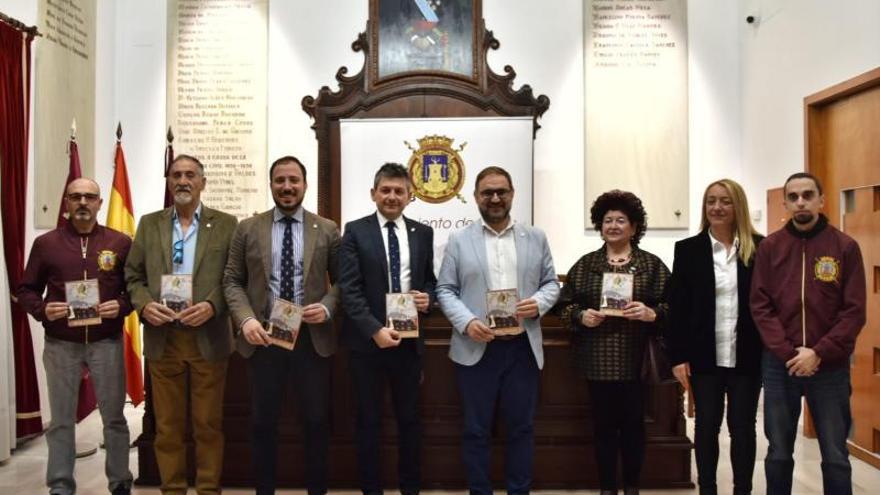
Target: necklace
(620,260)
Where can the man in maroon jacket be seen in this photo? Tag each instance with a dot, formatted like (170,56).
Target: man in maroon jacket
(808,302)
(81,250)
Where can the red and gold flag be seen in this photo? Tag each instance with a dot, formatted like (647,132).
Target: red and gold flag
(120,216)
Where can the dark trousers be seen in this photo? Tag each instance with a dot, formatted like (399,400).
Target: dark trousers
(741,391)
(401,367)
(618,426)
(272,368)
(827,393)
(507,373)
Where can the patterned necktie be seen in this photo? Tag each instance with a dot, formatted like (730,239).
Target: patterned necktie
(393,257)
(287,260)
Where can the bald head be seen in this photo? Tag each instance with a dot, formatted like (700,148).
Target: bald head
(83,202)
(84,184)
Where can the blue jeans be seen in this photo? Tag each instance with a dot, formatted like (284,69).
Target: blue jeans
(827,394)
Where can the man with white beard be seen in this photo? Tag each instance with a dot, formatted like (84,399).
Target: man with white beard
(191,239)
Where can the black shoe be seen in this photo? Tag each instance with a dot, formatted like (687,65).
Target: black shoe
(608,492)
(121,490)
(631,490)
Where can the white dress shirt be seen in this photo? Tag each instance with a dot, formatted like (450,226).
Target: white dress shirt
(726,301)
(500,256)
(403,244)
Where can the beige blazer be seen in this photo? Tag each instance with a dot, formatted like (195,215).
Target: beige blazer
(246,281)
(150,258)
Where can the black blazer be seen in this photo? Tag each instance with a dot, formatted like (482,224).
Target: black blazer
(363,277)
(691,333)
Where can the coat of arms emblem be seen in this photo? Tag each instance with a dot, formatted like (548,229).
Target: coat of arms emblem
(827,269)
(436,169)
(106,260)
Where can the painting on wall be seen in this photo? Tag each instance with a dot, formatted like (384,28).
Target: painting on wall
(426,35)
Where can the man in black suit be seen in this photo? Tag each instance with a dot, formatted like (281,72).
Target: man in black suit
(384,253)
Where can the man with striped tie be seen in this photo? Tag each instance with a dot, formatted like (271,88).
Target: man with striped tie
(286,253)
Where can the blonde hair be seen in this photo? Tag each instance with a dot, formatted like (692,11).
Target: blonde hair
(742,220)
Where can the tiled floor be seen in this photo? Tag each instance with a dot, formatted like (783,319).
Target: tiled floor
(24,474)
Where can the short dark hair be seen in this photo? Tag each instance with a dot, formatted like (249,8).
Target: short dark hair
(492,170)
(191,158)
(284,160)
(391,170)
(623,201)
(803,175)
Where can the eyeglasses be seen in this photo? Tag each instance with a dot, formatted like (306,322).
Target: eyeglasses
(78,197)
(177,252)
(490,193)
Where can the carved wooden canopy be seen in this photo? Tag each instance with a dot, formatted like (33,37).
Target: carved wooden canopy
(410,94)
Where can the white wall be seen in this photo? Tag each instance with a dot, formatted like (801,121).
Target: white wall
(796,48)
(746,89)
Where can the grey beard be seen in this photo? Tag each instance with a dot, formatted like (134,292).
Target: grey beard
(182,198)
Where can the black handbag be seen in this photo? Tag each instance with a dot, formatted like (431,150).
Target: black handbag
(655,362)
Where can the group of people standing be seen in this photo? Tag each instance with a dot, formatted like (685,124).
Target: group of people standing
(737,311)
(806,302)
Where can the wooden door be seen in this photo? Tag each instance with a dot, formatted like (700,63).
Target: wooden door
(776,214)
(842,139)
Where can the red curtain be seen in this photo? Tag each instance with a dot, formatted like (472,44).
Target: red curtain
(15,76)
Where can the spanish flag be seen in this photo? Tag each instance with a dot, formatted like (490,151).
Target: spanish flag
(120,216)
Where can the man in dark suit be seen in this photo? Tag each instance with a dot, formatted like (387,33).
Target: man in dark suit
(286,253)
(187,239)
(384,253)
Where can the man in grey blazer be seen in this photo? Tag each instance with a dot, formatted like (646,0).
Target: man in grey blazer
(286,253)
(494,254)
(186,238)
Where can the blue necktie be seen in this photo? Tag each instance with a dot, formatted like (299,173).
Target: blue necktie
(287,260)
(393,257)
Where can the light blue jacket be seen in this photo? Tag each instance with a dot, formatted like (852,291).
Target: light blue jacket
(464,281)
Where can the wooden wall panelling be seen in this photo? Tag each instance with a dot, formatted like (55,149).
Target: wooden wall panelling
(563,436)
(862,224)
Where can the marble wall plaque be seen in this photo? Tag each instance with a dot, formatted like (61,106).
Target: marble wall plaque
(217,96)
(637,105)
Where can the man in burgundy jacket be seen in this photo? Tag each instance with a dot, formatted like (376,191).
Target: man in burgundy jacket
(808,302)
(80,250)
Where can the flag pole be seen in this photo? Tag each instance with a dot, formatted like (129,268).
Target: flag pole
(169,157)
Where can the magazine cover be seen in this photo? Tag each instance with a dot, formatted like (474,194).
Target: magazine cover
(501,312)
(617,292)
(284,323)
(176,292)
(83,298)
(401,314)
